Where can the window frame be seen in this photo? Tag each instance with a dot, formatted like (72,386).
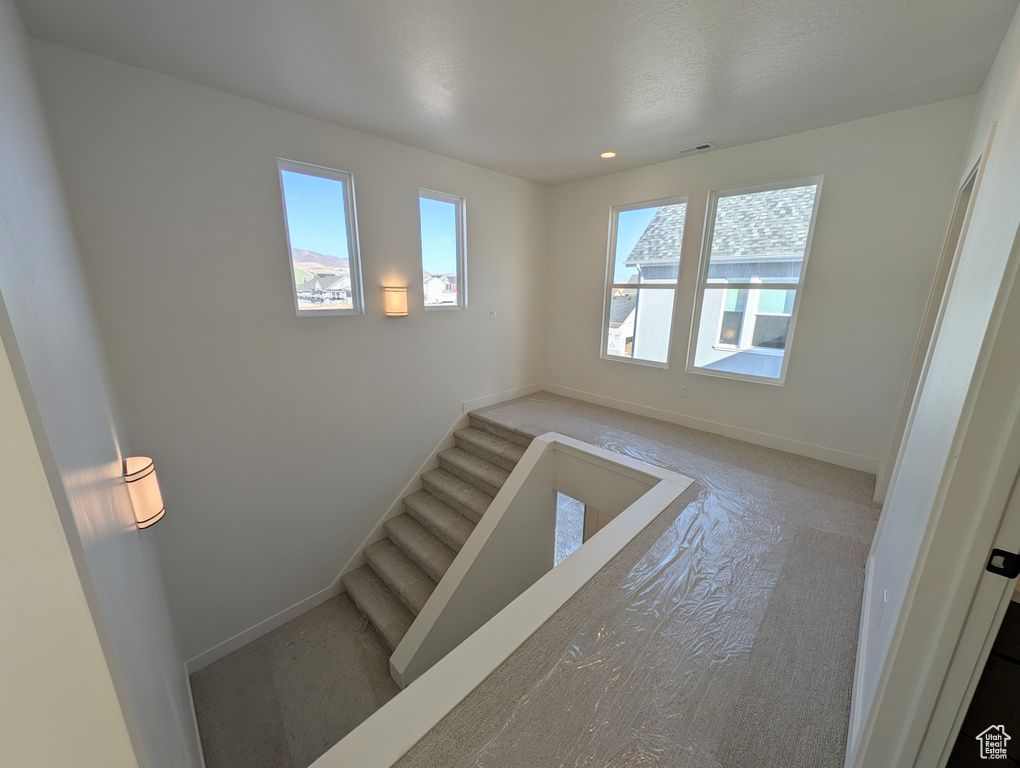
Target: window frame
(460,206)
(607,297)
(752,284)
(353,248)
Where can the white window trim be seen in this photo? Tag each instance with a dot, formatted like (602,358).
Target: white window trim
(751,284)
(351,218)
(614,212)
(460,205)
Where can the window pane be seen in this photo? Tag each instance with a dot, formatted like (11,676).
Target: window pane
(569,526)
(317,228)
(439,251)
(648,242)
(640,321)
(775,302)
(770,331)
(734,339)
(761,235)
(734,304)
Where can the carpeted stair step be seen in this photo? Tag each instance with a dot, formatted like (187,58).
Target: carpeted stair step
(405,579)
(442,521)
(494,450)
(379,604)
(482,424)
(481,474)
(457,494)
(427,552)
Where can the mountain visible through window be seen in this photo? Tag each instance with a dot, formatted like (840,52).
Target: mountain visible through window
(322,241)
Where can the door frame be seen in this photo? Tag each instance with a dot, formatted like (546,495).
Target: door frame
(942,282)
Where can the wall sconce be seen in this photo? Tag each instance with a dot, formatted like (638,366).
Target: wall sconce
(395,302)
(143,487)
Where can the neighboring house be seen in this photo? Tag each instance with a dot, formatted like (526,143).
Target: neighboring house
(338,290)
(621,323)
(656,254)
(744,330)
(439,289)
(326,290)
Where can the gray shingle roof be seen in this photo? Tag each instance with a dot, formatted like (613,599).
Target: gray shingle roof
(662,237)
(312,284)
(337,283)
(620,308)
(766,224)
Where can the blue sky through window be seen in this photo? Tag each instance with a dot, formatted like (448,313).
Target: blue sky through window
(438,236)
(630,225)
(316,218)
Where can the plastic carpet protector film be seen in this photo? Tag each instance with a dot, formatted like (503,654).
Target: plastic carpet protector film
(729,642)
(636,685)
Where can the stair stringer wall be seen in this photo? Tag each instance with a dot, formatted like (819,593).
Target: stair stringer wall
(335,587)
(378,533)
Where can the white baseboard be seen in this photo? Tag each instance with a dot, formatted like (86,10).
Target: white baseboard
(194,717)
(241,639)
(499,397)
(809,450)
(856,703)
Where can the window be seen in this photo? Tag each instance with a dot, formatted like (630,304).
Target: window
(569,526)
(645,240)
(751,279)
(443,261)
(322,238)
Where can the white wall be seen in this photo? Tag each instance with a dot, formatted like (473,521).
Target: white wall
(279,440)
(57,702)
(48,334)
(952,480)
(887,192)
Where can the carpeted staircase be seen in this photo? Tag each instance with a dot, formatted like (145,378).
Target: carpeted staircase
(404,568)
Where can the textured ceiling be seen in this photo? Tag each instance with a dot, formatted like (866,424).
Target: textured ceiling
(538,88)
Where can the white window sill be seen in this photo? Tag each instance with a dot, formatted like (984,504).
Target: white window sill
(634,361)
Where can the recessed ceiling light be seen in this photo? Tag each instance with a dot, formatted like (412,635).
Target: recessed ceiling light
(608,154)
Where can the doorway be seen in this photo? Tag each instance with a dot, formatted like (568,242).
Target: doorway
(944,273)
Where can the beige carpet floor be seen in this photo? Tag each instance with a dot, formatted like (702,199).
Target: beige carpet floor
(731,641)
(726,640)
(287,697)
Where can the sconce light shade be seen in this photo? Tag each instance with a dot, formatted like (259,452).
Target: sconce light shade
(395,302)
(143,487)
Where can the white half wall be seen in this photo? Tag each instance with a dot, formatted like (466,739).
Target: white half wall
(889,186)
(280,440)
(49,336)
